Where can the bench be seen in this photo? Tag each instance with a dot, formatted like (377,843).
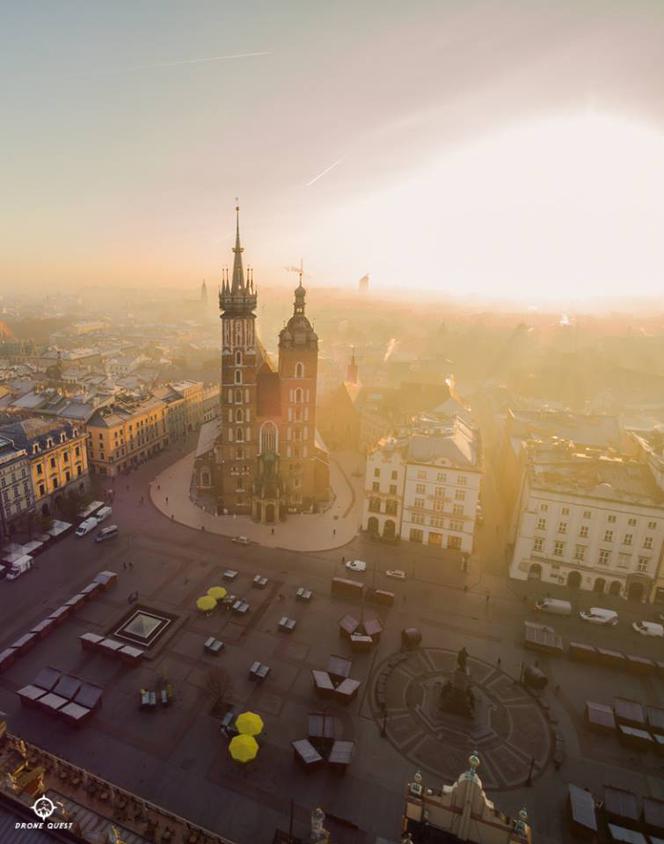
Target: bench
(260,582)
(258,671)
(303,594)
(287,625)
(230,574)
(240,607)
(213,646)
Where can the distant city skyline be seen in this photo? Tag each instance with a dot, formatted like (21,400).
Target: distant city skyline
(464,148)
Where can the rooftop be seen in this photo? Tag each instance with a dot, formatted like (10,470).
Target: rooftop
(592,473)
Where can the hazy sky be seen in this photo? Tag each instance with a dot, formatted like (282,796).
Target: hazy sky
(484,148)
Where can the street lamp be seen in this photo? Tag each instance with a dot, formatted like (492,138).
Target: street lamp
(529,781)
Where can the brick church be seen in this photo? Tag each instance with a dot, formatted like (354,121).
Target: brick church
(262,457)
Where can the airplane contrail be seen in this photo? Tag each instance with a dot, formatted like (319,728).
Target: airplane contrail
(200,61)
(325,171)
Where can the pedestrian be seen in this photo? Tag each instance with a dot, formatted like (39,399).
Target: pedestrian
(172,517)
(343,560)
(272,531)
(487,599)
(167,499)
(334,531)
(158,486)
(124,566)
(498,662)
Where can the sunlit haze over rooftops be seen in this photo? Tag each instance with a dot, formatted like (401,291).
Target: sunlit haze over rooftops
(467,149)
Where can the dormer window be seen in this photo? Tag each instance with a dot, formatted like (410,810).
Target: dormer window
(49,443)
(35,448)
(63,438)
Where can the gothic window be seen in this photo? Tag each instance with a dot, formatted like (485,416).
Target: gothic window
(238,396)
(238,358)
(268,437)
(238,376)
(239,453)
(299,370)
(230,396)
(298,395)
(239,435)
(238,333)
(239,416)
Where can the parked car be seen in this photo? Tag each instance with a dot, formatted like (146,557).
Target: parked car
(396,573)
(597,615)
(87,526)
(19,567)
(649,628)
(103,513)
(109,532)
(241,540)
(554,606)
(356,565)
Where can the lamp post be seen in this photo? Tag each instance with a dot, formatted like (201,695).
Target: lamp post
(529,781)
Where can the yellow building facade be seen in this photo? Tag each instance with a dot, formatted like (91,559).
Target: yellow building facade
(58,458)
(126,434)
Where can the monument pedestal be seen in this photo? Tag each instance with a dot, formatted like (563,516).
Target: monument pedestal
(456,696)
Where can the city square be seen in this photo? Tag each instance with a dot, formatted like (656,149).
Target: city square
(159,755)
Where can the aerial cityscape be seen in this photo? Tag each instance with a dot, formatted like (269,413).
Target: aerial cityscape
(332,423)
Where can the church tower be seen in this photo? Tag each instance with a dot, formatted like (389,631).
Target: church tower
(298,370)
(235,450)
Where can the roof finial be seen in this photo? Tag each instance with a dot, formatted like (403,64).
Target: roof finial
(301,272)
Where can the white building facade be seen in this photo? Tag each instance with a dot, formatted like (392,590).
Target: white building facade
(424,486)
(589,522)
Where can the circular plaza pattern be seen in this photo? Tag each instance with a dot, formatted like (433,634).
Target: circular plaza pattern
(508,730)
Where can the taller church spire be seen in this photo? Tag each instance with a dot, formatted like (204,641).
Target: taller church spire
(238,295)
(238,271)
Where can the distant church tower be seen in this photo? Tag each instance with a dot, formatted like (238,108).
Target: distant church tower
(363,284)
(352,374)
(204,295)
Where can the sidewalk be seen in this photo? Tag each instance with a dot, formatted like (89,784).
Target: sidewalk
(336,527)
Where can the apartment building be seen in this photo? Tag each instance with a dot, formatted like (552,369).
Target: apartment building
(58,458)
(589,519)
(424,485)
(125,434)
(17,499)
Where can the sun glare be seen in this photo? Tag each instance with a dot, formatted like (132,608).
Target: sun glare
(563,207)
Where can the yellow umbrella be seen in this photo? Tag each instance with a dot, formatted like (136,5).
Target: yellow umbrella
(243,748)
(217,592)
(206,603)
(249,724)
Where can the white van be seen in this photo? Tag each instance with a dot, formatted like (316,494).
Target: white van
(598,615)
(19,567)
(102,514)
(554,606)
(86,527)
(109,532)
